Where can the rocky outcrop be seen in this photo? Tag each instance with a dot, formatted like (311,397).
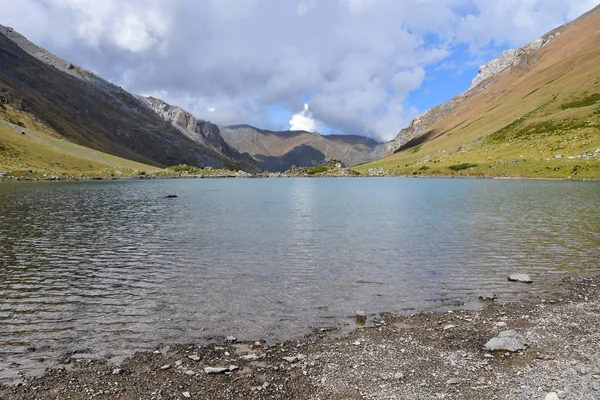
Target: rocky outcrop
(514,58)
(200,131)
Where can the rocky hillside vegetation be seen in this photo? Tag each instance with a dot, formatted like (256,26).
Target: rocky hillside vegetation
(535,112)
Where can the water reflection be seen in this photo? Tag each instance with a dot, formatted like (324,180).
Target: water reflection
(105,268)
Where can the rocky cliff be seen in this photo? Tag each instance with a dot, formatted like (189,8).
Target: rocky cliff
(200,131)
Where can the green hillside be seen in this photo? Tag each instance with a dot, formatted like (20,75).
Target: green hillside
(540,119)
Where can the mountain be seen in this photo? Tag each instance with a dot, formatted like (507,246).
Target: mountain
(44,93)
(534,111)
(199,131)
(279,151)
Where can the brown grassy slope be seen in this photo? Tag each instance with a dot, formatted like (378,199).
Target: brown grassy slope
(541,119)
(93,113)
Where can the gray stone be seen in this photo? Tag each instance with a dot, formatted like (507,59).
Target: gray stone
(398,375)
(520,278)
(167,366)
(507,341)
(251,357)
(551,396)
(216,370)
(453,381)
(117,371)
(187,395)
(583,369)
(488,296)
(194,357)
(361,317)
(294,359)
(230,339)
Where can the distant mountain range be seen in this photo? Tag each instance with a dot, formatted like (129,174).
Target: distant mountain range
(279,151)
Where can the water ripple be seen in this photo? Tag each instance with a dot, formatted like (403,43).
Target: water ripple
(107,268)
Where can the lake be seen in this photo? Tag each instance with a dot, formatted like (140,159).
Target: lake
(105,268)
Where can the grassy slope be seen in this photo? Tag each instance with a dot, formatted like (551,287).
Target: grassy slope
(521,123)
(44,152)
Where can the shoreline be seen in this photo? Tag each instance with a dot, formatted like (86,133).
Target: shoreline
(282,176)
(426,355)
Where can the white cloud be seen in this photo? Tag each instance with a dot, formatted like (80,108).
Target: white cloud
(305,6)
(303,121)
(357,60)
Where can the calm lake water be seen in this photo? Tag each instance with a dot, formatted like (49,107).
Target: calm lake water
(104,268)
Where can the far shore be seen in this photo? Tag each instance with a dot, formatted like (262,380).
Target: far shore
(231,174)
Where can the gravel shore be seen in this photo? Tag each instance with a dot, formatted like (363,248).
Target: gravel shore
(423,356)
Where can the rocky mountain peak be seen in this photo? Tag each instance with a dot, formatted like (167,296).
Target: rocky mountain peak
(513,58)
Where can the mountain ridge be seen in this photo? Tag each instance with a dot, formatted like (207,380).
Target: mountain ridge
(278,151)
(87,110)
(488,73)
(536,116)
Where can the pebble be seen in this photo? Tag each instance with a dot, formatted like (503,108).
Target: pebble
(361,317)
(178,363)
(562,394)
(216,370)
(230,339)
(551,396)
(500,324)
(453,381)
(167,366)
(294,359)
(449,327)
(583,370)
(117,371)
(251,357)
(194,357)
(520,278)
(187,395)
(398,375)
(488,296)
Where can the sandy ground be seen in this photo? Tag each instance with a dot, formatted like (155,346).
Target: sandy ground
(423,356)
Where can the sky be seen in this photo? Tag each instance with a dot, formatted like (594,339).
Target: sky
(364,67)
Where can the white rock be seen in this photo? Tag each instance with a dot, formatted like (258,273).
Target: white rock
(251,357)
(216,370)
(117,371)
(520,278)
(552,396)
(449,327)
(453,381)
(187,395)
(194,357)
(167,366)
(507,341)
(398,375)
